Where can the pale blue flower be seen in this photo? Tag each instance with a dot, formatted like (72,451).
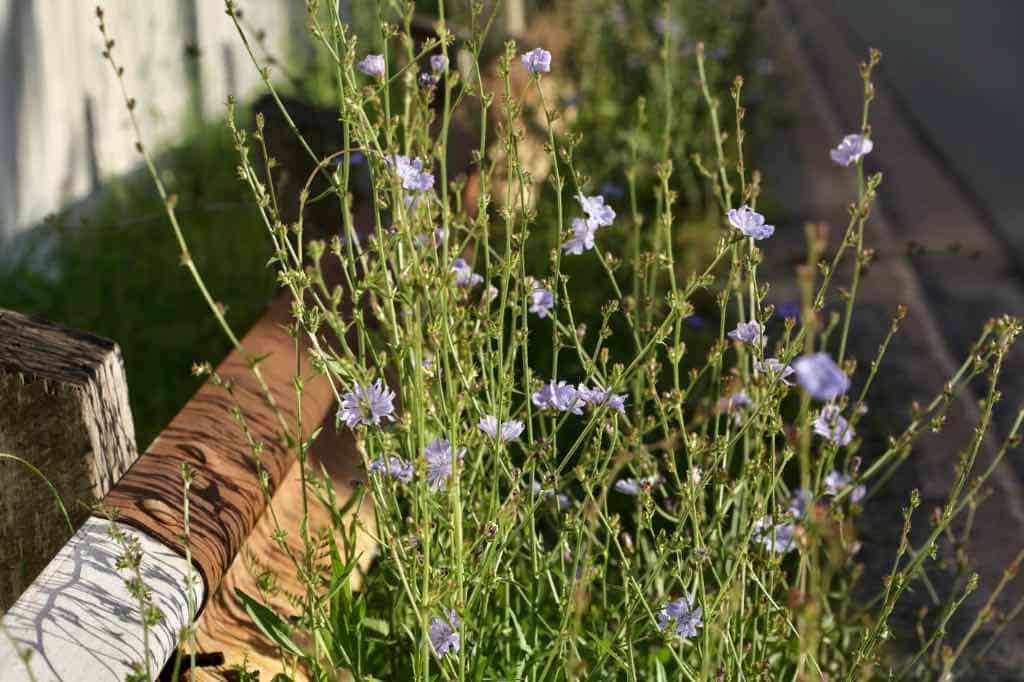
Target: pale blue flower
(438,63)
(851,149)
(411,172)
(582,237)
(541,301)
(635,486)
(775,368)
(429,80)
(748,332)
(367,405)
(832,426)
(509,430)
(372,65)
(788,310)
(800,502)
(464,275)
(444,633)
(438,456)
(737,401)
(820,376)
(778,538)
(598,396)
(559,396)
(398,468)
(750,222)
(537,60)
(627,486)
(598,213)
(835,482)
(617,401)
(680,614)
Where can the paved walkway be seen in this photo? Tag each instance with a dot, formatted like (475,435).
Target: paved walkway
(949,295)
(954,65)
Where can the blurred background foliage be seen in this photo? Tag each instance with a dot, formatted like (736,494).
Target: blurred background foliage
(110,267)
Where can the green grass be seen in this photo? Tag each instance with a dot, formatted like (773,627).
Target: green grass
(117,273)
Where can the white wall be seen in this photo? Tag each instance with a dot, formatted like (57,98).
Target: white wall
(63,126)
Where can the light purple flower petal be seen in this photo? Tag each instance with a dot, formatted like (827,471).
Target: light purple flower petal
(582,237)
(558,395)
(541,301)
(680,613)
(367,405)
(443,633)
(635,486)
(438,63)
(396,467)
(832,426)
(800,502)
(563,501)
(438,456)
(509,430)
(598,213)
(820,376)
(627,486)
(834,482)
(775,368)
(464,275)
(748,332)
(738,401)
(537,60)
(851,149)
(411,173)
(778,538)
(750,222)
(598,396)
(372,65)
(489,425)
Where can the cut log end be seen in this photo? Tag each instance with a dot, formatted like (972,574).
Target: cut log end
(64,410)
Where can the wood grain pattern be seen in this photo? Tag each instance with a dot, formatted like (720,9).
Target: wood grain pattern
(226,499)
(63,408)
(224,627)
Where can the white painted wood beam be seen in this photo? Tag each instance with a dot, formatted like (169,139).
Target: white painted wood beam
(78,620)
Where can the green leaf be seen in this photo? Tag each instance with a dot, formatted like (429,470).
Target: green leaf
(379,626)
(270,623)
(519,634)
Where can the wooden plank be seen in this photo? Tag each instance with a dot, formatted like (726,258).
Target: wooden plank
(78,618)
(64,409)
(226,500)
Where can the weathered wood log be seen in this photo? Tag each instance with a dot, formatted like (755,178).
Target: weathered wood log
(225,501)
(64,409)
(224,628)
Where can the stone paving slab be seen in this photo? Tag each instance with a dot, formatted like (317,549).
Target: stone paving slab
(949,295)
